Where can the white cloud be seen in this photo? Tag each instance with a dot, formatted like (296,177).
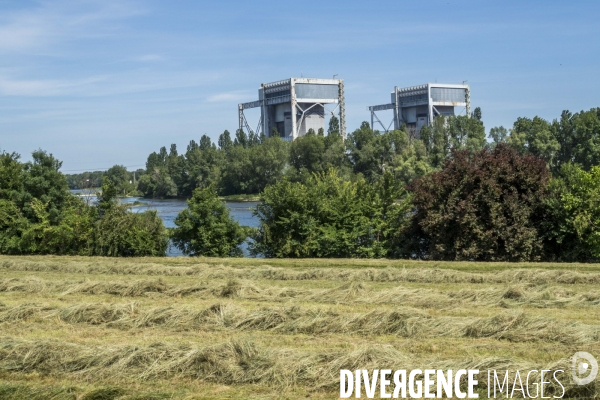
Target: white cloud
(52,22)
(230,96)
(49,87)
(133,81)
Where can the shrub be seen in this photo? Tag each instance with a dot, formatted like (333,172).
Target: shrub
(126,234)
(485,206)
(329,217)
(205,228)
(573,229)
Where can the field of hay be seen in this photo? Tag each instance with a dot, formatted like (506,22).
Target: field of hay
(177,328)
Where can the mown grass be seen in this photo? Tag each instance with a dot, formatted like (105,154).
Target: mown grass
(99,328)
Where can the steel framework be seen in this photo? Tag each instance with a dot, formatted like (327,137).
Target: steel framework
(293,106)
(417,106)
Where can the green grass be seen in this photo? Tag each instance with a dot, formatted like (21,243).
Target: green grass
(183,328)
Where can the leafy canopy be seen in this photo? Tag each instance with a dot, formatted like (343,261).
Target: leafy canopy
(205,228)
(484,206)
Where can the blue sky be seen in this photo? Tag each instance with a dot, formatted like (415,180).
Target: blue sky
(105,82)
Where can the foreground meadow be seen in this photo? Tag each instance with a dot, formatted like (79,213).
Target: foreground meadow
(157,328)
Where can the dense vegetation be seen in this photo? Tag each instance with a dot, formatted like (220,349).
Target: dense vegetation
(206,228)
(38,215)
(528,194)
(329,217)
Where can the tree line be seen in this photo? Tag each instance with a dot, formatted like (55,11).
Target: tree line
(528,193)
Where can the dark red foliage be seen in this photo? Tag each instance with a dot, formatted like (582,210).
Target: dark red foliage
(485,206)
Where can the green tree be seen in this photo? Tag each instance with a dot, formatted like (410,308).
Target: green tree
(241,139)
(237,172)
(362,150)
(107,196)
(72,235)
(573,223)
(157,184)
(205,228)
(579,138)
(225,141)
(38,214)
(11,176)
(307,152)
(205,143)
(535,136)
(203,167)
(121,178)
(120,233)
(253,139)
(334,126)
(12,225)
(404,157)
(452,133)
(268,162)
(327,216)
(498,134)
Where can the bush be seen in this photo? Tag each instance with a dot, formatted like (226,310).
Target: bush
(488,206)
(573,226)
(126,234)
(205,228)
(329,217)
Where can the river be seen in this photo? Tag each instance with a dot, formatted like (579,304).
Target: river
(169,208)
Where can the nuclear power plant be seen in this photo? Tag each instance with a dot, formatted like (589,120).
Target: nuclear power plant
(291,107)
(417,106)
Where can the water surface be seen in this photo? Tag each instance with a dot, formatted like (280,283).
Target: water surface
(168,209)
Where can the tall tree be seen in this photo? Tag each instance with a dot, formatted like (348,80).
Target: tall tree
(306,153)
(452,133)
(334,126)
(241,139)
(225,141)
(535,136)
(498,134)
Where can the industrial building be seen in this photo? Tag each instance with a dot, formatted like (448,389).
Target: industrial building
(292,106)
(417,106)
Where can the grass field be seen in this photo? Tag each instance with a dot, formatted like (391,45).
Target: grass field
(170,328)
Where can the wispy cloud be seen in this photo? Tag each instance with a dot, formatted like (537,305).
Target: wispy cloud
(149,58)
(10,87)
(34,28)
(132,81)
(229,96)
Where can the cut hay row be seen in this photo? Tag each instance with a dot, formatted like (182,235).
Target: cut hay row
(348,293)
(514,326)
(415,275)
(236,362)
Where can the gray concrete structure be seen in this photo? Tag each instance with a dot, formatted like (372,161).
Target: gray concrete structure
(417,106)
(293,106)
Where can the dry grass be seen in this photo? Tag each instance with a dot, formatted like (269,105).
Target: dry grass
(92,328)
